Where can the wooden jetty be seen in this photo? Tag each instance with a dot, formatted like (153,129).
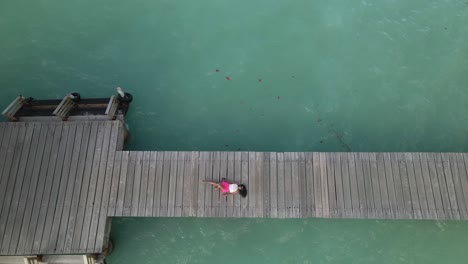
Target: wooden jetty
(61,183)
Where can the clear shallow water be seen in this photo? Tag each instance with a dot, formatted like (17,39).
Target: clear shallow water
(287,241)
(304,76)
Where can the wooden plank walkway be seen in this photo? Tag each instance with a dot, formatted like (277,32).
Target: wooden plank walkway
(60,182)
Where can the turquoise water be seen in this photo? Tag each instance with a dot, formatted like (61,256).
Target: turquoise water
(287,241)
(303,76)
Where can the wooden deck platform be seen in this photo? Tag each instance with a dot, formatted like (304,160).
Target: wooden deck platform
(61,182)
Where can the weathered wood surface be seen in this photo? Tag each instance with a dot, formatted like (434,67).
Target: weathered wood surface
(55,180)
(61,181)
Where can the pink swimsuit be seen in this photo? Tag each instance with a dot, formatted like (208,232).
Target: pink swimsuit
(225,186)
(229,187)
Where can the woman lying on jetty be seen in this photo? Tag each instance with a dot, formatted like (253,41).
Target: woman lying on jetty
(229,188)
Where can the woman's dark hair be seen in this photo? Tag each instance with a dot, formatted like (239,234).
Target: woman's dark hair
(243,190)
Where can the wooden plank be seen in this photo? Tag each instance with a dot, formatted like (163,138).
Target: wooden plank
(63,188)
(295,185)
(3,129)
(15,185)
(222,174)
(144,184)
(250,182)
(345,177)
(341,188)
(282,212)
(6,154)
(408,203)
(75,225)
(288,189)
(5,136)
(208,188)
(104,204)
(441,212)
(231,175)
(195,181)
(392,200)
(52,141)
(386,211)
(67,227)
(15,179)
(31,192)
(265,185)
(69,174)
(88,212)
(55,206)
(357,201)
(151,184)
(244,203)
(331,184)
(39,205)
(51,192)
(462,170)
(449,212)
(11,155)
(120,204)
(258,181)
(129,184)
(317,184)
(302,186)
(165,184)
(110,138)
(420,186)
(74,229)
(172,184)
(428,186)
(309,174)
(458,184)
(324,185)
(181,164)
(450,186)
(375,182)
(114,189)
(202,187)
(370,201)
(238,178)
(136,193)
(121,137)
(19,202)
(215,193)
(360,184)
(415,204)
(273,185)
(6,132)
(158,183)
(309,185)
(60,182)
(401,203)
